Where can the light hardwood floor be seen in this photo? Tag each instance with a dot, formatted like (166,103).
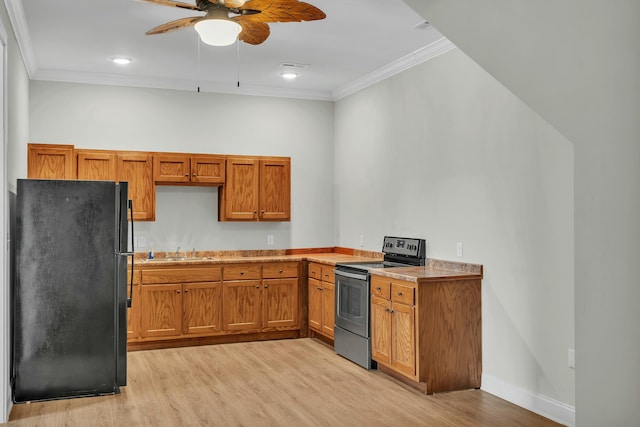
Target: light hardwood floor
(271,383)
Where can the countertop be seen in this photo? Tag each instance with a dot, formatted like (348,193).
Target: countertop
(323,258)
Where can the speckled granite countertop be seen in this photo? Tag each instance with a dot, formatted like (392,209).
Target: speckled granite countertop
(433,271)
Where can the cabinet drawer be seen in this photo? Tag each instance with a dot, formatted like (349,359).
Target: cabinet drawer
(315,271)
(276,270)
(181,275)
(136,276)
(242,272)
(327,274)
(380,287)
(402,293)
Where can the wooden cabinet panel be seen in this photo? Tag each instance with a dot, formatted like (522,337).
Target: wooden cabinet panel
(171,169)
(96,166)
(403,341)
(275,190)
(208,169)
(50,161)
(380,287)
(256,189)
(137,170)
(381,330)
(280,302)
(239,196)
(328,274)
(328,309)
(181,275)
(242,272)
(315,305)
(402,293)
(315,271)
(134,312)
(202,307)
(241,305)
(161,310)
(276,270)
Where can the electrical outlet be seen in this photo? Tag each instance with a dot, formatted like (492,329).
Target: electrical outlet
(572,358)
(141,242)
(459,249)
(362,240)
(270,239)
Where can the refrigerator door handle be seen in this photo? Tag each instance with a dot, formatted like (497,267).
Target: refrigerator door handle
(132,255)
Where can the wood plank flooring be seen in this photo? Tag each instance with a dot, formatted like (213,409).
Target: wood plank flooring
(299,382)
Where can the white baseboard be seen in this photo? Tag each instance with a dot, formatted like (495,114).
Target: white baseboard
(538,403)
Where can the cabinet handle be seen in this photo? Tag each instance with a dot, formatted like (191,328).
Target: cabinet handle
(386,309)
(319,289)
(266,286)
(280,270)
(241,273)
(177,292)
(186,174)
(185,291)
(378,288)
(399,294)
(258,286)
(194,175)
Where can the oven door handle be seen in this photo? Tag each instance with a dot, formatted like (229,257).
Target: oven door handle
(350,275)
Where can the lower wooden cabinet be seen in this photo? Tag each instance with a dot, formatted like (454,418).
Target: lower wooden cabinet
(321,283)
(195,302)
(133,312)
(428,333)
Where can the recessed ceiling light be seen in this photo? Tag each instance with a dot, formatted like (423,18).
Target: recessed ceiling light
(289,75)
(121,60)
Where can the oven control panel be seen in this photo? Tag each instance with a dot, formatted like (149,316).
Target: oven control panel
(404,246)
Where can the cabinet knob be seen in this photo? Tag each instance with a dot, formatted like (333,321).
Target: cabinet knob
(241,273)
(257,286)
(194,175)
(177,292)
(378,288)
(186,174)
(280,270)
(266,286)
(185,291)
(319,289)
(399,294)
(387,309)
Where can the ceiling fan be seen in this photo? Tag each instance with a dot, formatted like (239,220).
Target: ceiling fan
(226,20)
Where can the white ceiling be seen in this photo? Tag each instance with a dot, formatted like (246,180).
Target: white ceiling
(359,42)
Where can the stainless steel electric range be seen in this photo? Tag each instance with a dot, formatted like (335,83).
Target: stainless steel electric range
(352,332)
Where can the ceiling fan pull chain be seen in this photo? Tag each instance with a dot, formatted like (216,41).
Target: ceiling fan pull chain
(198,42)
(238,57)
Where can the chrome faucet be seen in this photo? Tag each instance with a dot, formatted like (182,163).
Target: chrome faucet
(193,252)
(177,255)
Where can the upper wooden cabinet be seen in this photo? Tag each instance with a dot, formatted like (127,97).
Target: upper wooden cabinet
(137,170)
(45,161)
(96,165)
(256,189)
(187,169)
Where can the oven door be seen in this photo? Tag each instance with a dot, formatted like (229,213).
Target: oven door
(352,302)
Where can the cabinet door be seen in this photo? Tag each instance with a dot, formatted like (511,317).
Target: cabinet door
(239,196)
(241,305)
(315,305)
(50,162)
(403,341)
(96,166)
(381,330)
(275,190)
(208,169)
(171,169)
(202,307)
(328,309)
(137,170)
(133,312)
(280,303)
(161,310)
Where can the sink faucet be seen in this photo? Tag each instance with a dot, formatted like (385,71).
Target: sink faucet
(177,255)
(193,252)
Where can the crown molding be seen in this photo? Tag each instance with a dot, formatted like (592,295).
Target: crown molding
(421,55)
(21,30)
(70,76)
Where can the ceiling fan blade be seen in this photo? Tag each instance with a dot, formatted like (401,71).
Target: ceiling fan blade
(282,11)
(174,25)
(253,32)
(173,3)
(234,3)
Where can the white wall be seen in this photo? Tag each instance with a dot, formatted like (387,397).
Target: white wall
(111,117)
(445,152)
(576,63)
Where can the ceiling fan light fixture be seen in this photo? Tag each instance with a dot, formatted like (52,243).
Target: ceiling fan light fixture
(289,75)
(121,60)
(218,32)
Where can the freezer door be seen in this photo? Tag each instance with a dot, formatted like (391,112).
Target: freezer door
(65,302)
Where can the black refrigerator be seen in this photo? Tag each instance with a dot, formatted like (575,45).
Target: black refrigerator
(69,296)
